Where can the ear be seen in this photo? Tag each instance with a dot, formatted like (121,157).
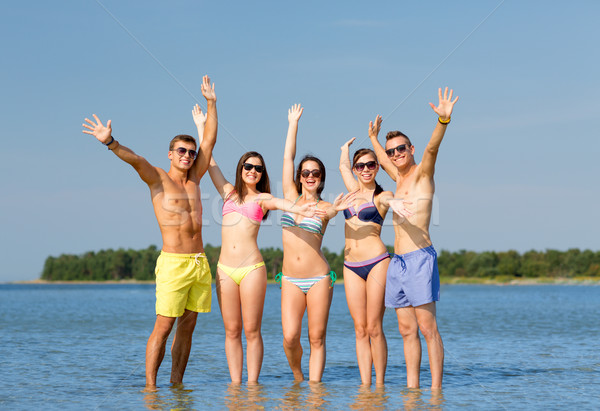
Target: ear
(170,155)
(412,150)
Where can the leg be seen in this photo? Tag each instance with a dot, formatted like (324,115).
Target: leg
(293,305)
(252,295)
(375,311)
(409,329)
(228,293)
(435,346)
(182,344)
(357,304)
(318,301)
(155,348)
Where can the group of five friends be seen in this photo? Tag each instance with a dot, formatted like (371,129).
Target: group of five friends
(407,281)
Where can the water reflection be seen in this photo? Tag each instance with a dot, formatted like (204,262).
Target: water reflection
(179,398)
(306,395)
(248,396)
(413,399)
(368,398)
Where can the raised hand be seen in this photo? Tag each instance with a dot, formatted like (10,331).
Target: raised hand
(399,207)
(446,104)
(343,202)
(199,116)
(208,90)
(307,210)
(347,144)
(295,112)
(98,130)
(374,127)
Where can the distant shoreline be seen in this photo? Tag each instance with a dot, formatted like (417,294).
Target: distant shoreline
(444,281)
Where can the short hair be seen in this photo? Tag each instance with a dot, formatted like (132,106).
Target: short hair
(181,137)
(299,171)
(396,133)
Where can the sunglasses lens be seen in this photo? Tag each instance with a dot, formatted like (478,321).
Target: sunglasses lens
(248,166)
(359,166)
(259,169)
(390,152)
(193,154)
(371,165)
(316,174)
(181,151)
(305,173)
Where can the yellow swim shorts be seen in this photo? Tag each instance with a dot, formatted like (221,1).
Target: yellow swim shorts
(183,282)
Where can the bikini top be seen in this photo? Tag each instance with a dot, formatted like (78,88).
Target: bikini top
(310,224)
(367,212)
(252,209)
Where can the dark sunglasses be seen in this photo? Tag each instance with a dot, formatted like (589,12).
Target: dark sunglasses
(248,167)
(400,149)
(181,151)
(371,165)
(316,173)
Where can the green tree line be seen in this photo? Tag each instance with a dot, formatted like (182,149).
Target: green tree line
(139,265)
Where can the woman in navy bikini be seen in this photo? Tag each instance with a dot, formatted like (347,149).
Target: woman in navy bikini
(241,278)
(366,259)
(306,283)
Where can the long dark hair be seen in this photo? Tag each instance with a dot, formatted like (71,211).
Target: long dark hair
(364,151)
(263,185)
(299,171)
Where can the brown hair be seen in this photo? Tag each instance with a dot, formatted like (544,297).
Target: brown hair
(396,133)
(364,151)
(181,137)
(299,171)
(263,185)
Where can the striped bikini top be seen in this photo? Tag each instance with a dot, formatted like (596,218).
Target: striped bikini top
(252,209)
(367,212)
(310,224)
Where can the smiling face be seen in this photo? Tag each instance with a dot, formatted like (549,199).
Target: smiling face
(182,159)
(252,177)
(402,156)
(309,181)
(365,168)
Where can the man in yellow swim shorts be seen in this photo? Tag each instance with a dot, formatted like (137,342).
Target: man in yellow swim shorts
(183,279)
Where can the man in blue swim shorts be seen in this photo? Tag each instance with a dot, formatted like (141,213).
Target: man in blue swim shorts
(183,280)
(413,283)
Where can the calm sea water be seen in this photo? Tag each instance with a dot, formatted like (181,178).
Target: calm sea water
(507,347)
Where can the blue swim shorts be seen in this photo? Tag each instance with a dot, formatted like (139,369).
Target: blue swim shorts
(413,279)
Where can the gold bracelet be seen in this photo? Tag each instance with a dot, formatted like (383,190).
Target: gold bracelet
(444,121)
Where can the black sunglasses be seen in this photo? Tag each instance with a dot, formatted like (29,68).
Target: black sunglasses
(181,151)
(371,165)
(400,149)
(248,167)
(316,173)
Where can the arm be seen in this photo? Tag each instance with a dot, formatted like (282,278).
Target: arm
(199,119)
(340,203)
(272,203)
(210,130)
(103,133)
(383,159)
(398,205)
(223,186)
(346,167)
(444,111)
(289,152)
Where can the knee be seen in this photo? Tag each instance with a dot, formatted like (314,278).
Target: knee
(374,330)
(316,340)
(409,330)
(186,325)
(361,331)
(233,331)
(291,339)
(252,334)
(429,331)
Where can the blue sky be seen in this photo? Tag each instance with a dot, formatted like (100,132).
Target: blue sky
(517,169)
